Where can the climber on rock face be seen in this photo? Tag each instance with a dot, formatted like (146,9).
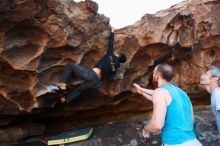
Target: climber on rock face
(106,67)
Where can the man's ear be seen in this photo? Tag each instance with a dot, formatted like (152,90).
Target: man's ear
(157,76)
(215,78)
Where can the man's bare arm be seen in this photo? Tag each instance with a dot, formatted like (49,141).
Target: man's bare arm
(159,112)
(148,91)
(149,97)
(145,92)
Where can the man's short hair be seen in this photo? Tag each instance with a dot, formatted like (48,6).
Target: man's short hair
(166,71)
(215,72)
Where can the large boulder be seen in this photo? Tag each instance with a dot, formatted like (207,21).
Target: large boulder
(38,38)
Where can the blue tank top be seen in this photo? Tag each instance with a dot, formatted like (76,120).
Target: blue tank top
(178,126)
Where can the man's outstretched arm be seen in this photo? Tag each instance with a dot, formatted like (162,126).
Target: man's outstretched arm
(147,93)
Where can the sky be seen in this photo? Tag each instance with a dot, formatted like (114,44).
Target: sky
(126,12)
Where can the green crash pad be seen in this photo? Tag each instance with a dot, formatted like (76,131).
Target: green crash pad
(70,136)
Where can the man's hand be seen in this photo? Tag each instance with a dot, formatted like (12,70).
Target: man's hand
(136,85)
(145,134)
(137,89)
(148,134)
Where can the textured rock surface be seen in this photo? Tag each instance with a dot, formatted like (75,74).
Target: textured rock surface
(20,131)
(184,35)
(38,37)
(128,132)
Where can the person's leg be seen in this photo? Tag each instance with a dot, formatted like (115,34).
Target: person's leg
(217,118)
(77,91)
(77,70)
(198,143)
(70,70)
(193,142)
(171,145)
(91,81)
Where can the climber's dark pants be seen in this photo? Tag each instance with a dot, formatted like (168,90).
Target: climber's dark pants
(91,79)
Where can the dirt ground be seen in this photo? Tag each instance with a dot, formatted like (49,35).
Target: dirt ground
(128,132)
